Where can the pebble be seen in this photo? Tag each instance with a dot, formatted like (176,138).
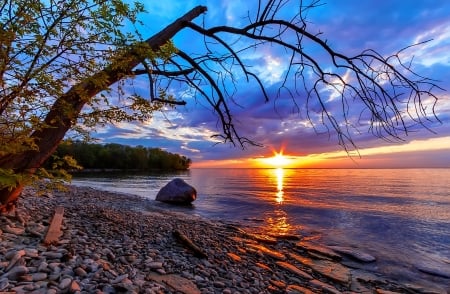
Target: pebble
(114,243)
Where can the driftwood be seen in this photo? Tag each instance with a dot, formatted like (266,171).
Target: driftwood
(183,239)
(54,230)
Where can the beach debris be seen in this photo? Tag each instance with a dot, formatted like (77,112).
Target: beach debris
(54,230)
(177,191)
(182,238)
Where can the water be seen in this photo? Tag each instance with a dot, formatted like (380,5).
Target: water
(401,216)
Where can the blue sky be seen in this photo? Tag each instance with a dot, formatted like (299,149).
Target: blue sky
(349,27)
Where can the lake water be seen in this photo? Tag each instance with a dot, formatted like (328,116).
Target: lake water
(401,216)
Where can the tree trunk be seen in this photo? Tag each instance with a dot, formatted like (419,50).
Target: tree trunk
(59,119)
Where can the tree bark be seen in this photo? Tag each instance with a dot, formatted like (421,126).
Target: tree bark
(59,119)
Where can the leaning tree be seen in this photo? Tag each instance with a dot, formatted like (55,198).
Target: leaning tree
(60,59)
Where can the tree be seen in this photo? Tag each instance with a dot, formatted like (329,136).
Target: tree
(60,57)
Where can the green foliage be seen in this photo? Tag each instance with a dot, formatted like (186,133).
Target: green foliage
(47,47)
(116,156)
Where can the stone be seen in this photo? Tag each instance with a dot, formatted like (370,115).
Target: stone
(326,288)
(329,269)
(293,269)
(38,277)
(176,282)
(178,192)
(355,254)
(267,251)
(66,282)
(319,249)
(442,271)
(74,287)
(295,289)
(234,257)
(17,272)
(13,230)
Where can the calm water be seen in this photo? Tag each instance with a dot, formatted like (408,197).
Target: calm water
(400,216)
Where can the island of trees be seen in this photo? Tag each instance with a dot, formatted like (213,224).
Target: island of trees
(121,157)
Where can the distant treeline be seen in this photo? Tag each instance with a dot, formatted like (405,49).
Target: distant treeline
(117,156)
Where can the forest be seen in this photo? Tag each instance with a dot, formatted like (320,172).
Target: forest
(120,157)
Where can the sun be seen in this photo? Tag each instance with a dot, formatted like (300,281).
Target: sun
(278,160)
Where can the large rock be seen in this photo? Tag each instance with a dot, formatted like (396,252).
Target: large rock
(178,192)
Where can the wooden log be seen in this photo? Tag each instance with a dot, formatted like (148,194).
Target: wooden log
(182,238)
(54,230)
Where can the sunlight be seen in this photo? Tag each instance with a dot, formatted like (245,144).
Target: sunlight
(280,174)
(278,160)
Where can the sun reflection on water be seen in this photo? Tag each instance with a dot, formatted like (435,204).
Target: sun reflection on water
(280,193)
(277,220)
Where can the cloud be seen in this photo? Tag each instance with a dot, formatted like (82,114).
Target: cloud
(282,123)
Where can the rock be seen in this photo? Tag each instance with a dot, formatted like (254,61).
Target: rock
(441,271)
(178,192)
(329,269)
(326,288)
(14,230)
(66,282)
(38,277)
(74,287)
(17,272)
(267,251)
(234,257)
(176,282)
(355,254)
(319,249)
(295,289)
(293,269)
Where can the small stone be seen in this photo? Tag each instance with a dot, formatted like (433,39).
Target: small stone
(119,279)
(65,283)
(52,255)
(80,272)
(14,259)
(219,284)
(38,276)
(16,272)
(4,283)
(31,252)
(13,230)
(43,267)
(74,287)
(155,265)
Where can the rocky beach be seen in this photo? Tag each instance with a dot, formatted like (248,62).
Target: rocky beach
(116,243)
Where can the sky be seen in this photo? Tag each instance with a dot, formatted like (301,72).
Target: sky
(350,27)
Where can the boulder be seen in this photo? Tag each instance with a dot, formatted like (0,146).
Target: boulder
(178,192)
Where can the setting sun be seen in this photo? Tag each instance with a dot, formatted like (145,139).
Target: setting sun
(278,160)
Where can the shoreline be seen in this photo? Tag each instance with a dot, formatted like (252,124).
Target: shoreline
(119,243)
